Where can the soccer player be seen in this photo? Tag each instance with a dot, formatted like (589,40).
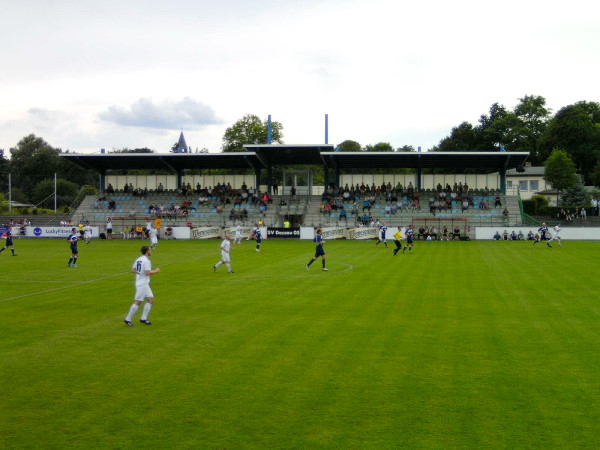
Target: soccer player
(382,230)
(238,235)
(72,239)
(542,230)
(142,267)
(81,230)
(257,234)
(555,236)
(9,242)
(409,239)
(397,237)
(319,251)
(225,254)
(153,234)
(87,232)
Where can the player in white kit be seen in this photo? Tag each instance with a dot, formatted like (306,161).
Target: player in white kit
(142,267)
(153,235)
(87,232)
(238,235)
(555,235)
(225,257)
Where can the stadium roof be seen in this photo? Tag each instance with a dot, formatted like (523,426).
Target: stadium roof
(263,156)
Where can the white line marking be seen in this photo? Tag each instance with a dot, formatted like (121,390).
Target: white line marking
(31,294)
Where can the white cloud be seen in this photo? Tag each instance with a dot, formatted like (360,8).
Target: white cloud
(168,114)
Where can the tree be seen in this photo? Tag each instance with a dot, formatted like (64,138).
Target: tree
(406,148)
(576,129)
(533,116)
(349,146)
(462,138)
(43,193)
(560,170)
(573,195)
(380,147)
(250,130)
(595,176)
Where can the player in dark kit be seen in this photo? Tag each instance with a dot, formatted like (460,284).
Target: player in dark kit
(9,242)
(257,235)
(542,230)
(319,251)
(74,252)
(409,239)
(382,230)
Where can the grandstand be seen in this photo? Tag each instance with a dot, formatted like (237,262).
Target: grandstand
(224,210)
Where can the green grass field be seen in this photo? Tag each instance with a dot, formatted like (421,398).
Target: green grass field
(458,345)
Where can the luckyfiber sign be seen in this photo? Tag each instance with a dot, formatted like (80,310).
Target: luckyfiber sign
(283,233)
(56,232)
(207,233)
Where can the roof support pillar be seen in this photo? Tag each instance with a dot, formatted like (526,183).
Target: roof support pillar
(503,181)
(326,178)
(419,180)
(257,174)
(269,179)
(102,180)
(337,177)
(179,178)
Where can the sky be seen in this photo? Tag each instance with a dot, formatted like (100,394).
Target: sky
(86,75)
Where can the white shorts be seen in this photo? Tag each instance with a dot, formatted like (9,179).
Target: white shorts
(154,240)
(143,292)
(225,257)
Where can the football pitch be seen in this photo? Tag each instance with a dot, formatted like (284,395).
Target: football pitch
(457,345)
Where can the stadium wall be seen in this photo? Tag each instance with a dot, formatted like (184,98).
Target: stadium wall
(570,233)
(430,181)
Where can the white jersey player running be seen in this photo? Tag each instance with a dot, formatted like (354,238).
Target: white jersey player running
(225,251)
(555,236)
(153,235)
(238,235)
(87,232)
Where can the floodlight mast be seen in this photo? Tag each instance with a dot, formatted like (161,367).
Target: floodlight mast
(326,129)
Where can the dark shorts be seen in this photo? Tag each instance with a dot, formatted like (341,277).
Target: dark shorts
(319,252)
(409,240)
(258,240)
(9,242)
(74,249)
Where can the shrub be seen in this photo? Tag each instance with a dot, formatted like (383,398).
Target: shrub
(536,205)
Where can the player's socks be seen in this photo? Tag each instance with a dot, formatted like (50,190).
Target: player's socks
(70,261)
(228,267)
(146,311)
(132,311)
(13,251)
(75,261)
(310,262)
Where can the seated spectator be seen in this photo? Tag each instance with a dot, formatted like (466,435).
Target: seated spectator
(168,232)
(505,235)
(433,233)
(421,233)
(112,205)
(465,205)
(520,236)
(342,214)
(445,233)
(513,235)
(110,189)
(497,202)
(530,236)
(497,236)
(456,233)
